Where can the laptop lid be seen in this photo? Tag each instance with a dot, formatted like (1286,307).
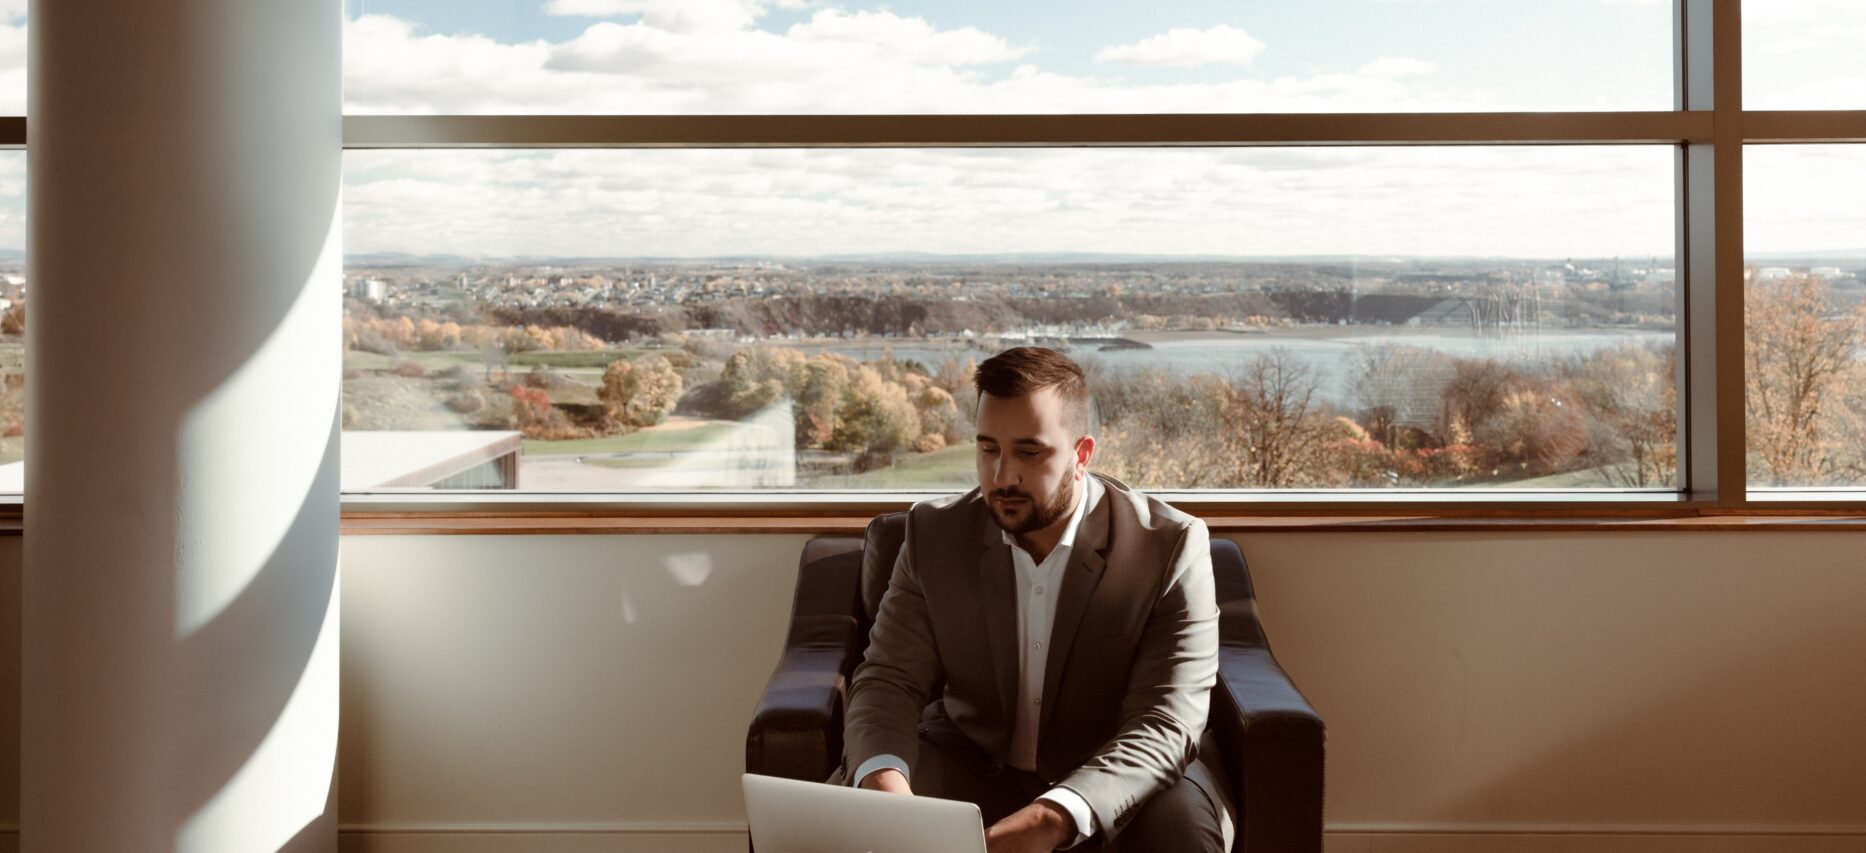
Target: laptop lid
(788,816)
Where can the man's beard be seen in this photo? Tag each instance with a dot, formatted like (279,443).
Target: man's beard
(1041,514)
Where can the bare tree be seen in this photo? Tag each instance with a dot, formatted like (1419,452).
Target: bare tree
(1159,430)
(1273,429)
(1632,402)
(1394,386)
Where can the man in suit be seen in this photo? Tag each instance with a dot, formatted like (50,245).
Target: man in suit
(1069,626)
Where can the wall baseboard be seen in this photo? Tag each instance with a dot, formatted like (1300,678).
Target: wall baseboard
(1568,839)
(543,838)
(730,838)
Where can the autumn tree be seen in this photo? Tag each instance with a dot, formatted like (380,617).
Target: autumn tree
(1473,394)
(638,393)
(819,401)
(939,416)
(532,412)
(1796,351)
(876,418)
(13,405)
(755,378)
(1539,428)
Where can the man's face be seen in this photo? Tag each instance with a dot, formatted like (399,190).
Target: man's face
(1030,457)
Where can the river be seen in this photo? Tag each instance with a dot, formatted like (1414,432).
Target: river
(1329,350)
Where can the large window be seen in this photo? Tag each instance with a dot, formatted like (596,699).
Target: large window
(1577,250)
(1257,312)
(1252,317)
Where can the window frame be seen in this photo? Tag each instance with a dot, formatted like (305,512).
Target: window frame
(1708,128)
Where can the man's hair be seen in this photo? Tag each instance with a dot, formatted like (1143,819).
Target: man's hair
(1021,371)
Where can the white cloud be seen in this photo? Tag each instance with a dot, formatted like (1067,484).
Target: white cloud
(1799,198)
(832,62)
(709,202)
(13,68)
(1395,67)
(671,15)
(906,39)
(1185,47)
(1804,54)
(859,62)
(1472,201)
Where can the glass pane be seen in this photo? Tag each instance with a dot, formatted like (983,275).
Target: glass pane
(12,57)
(1804,54)
(968,56)
(1806,316)
(12,322)
(741,319)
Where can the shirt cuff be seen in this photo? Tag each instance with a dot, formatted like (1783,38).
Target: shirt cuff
(1078,810)
(883,761)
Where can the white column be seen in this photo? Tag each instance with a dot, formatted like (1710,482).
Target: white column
(181,584)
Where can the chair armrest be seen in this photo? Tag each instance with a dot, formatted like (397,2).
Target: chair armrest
(1272,744)
(796,732)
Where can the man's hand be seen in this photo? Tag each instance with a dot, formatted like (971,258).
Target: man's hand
(1039,827)
(889,780)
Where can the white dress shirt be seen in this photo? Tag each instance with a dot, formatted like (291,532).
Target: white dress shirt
(1037,588)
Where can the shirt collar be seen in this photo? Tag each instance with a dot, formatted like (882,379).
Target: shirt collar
(1075,522)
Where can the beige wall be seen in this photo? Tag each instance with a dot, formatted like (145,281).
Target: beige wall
(1614,682)
(1532,692)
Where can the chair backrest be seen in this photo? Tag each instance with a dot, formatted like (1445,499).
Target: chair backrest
(881,546)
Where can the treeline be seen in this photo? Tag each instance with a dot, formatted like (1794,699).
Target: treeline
(940,314)
(391,335)
(874,410)
(1417,418)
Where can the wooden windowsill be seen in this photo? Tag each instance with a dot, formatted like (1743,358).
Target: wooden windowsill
(1225,521)
(430,524)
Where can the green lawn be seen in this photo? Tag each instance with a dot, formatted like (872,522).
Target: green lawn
(431,360)
(651,463)
(952,468)
(1608,477)
(597,358)
(587,359)
(659,438)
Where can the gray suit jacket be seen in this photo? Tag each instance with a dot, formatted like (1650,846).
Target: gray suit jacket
(1132,659)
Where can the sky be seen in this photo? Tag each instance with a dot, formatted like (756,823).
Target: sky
(908,56)
(686,56)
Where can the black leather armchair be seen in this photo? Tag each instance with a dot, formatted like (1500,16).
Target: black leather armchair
(1270,740)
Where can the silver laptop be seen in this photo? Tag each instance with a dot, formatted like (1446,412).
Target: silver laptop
(788,816)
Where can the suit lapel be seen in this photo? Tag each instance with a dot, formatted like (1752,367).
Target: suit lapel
(997,587)
(1086,563)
